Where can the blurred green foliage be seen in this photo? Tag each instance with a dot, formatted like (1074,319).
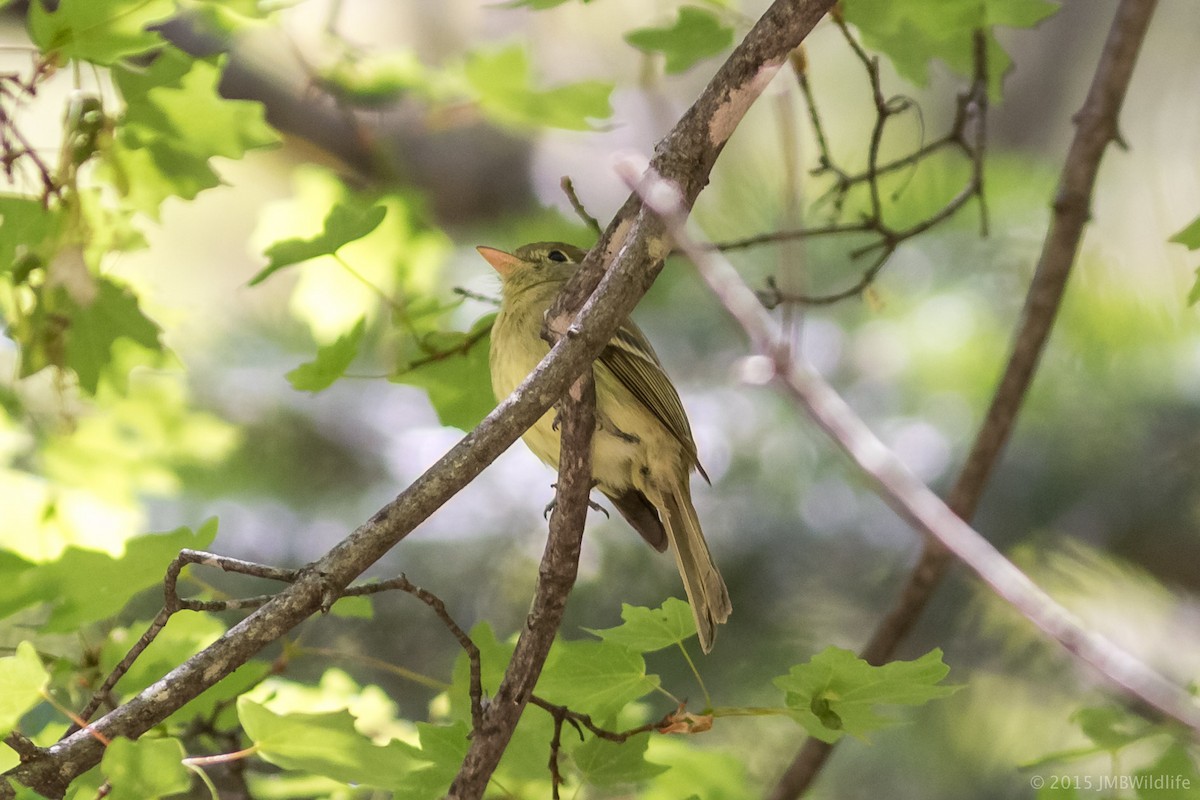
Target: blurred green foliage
(134,404)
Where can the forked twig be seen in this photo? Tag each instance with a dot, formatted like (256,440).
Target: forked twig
(591,222)
(967,133)
(468,645)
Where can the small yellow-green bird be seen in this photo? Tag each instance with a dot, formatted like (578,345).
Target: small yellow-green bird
(642,452)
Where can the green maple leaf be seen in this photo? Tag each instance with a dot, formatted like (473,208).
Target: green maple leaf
(28,234)
(914,33)
(330,364)
(444,747)
(174,123)
(94,329)
(650,629)
(100,31)
(326,744)
(605,763)
(147,768)
(1189,237)
(503,88)
(596,678)
(22,679)
(346,222)
(458,382)
(696,34)
(84,586)
(836,692)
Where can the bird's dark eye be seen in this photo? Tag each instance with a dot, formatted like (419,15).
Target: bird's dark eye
(557,255)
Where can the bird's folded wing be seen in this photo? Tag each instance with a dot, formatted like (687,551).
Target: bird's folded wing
(633,362)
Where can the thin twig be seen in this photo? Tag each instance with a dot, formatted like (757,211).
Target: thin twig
(123,666)
(380,664)
(586,721)
(569,190)
(773,296)
(173,603)
(798,60)
(556,577)
(476,296)
(556,777)
(578,721)
(798,233)
(971,110)
(462,348)
(24,88)
(464,640)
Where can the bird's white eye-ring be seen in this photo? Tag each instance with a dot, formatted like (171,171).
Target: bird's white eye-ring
(557,255)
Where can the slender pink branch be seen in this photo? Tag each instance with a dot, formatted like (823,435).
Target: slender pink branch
(911,499)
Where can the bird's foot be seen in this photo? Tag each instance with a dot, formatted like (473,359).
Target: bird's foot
(592,504)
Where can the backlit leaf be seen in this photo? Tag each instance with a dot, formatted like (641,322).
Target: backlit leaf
(595,678)
(100,31)
(503,89)
(345,224)
(650,629)
(326,744)
(914,33)
(330,364)
(836,692)
(145,769)
(22,678)
(695,35)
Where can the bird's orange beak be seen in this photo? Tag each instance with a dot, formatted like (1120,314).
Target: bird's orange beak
(504,263)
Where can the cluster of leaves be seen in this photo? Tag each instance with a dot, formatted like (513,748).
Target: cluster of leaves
(498,81)
(368,270)
(339,733)
(913,38)
(168,123)
(350,734)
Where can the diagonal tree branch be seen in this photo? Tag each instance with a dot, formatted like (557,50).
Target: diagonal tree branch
(634,246)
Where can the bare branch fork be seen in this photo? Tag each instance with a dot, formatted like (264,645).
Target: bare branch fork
(968,133)
(899,488)
(174,603)
(629,256)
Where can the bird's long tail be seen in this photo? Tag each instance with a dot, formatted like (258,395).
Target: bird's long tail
(702,580)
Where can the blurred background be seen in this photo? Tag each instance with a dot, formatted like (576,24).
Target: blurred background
(1098,495)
